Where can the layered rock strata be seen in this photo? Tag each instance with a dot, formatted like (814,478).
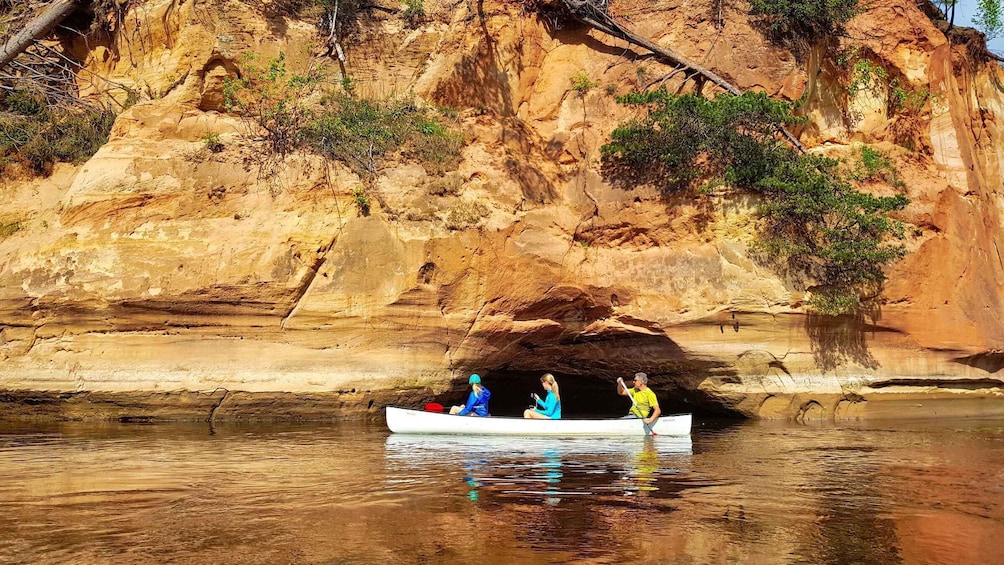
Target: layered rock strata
(161,280)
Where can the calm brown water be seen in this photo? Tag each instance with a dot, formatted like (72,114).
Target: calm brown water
(928,492)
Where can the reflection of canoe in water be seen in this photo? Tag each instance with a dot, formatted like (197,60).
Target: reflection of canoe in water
(417,447)
(405,421)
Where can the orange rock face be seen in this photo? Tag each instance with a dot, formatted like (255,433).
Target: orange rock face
(165,272)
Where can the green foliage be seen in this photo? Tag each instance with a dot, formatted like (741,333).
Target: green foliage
(9,227)
(34,134)
(874,165)
(816,228)
(362,200)
(907,99)
(274,99)
(581,83)
(805,19)
(739,130)
(866,75)
(291,111)
(820,229)
(988,18)
(833,302)
(361,132)
(904,103)
(213,143)
(414,12)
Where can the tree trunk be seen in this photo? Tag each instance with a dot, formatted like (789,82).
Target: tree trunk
(37,28)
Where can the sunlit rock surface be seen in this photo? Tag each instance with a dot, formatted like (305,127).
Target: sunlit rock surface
(160,280)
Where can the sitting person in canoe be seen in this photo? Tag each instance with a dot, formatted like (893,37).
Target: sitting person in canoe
(550,407)
(477,400)
(644,404)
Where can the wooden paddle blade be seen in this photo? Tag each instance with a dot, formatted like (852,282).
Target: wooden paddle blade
(433,407)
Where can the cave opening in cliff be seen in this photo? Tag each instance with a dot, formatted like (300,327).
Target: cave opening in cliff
(583,396)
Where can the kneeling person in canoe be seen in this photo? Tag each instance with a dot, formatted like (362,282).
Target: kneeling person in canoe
(477,400)
(550,407)
(644,404)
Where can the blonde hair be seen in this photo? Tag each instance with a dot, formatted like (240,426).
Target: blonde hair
(477,388)
(549,379)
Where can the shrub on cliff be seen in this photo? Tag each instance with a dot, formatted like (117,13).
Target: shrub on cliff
(798,23)
(292,111)
(272,99)
(361,133)
(816,228)
(34,134)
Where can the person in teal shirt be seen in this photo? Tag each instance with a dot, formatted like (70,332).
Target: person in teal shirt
(550,407)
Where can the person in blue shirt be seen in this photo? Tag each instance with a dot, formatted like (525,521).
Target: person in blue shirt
(477,400)
(550,407)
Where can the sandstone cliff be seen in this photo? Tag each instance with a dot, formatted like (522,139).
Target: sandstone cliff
(161,280)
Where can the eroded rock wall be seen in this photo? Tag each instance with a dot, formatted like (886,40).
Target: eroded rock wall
(178,282)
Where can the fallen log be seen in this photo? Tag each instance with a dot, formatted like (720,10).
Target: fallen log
(37,28)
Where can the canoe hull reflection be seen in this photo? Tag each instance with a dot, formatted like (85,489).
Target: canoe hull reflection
(412,448)
(404,421)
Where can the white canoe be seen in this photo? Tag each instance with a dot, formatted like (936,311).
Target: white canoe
(404,421)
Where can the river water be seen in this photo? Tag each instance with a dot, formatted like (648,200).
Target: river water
(902,492)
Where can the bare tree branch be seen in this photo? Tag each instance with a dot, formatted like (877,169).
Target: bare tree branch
(37,28)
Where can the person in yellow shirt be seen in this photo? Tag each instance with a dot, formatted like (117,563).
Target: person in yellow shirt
(645,404)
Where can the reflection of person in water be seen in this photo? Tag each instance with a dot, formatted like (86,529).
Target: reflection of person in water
(552,475)
(645,468)
(474,463)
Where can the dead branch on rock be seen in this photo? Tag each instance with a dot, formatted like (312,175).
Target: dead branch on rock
(43,68)
(595,14)
(28,63)
(37,28)
(339,21)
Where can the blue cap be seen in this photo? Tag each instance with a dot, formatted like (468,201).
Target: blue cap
(474,380)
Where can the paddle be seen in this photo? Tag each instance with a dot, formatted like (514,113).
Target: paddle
(433,407)
(648,427)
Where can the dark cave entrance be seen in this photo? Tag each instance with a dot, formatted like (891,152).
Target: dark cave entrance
(582,396)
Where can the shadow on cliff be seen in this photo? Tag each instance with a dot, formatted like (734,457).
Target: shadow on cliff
(480,80)
(838,340)
(576,334)
(990,361)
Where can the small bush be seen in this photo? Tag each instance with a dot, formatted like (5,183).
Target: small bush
(582,84)
(213,143)
(273,98)
(362,200)
(905,105)
(803,21)
(9,227)
(866,75)
(414,12)
(832,302)
(361,133)
(34,135)
(872,165)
